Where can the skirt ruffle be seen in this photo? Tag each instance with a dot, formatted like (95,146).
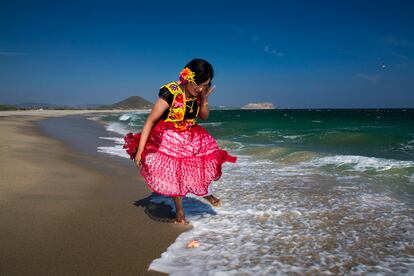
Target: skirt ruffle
(175,163)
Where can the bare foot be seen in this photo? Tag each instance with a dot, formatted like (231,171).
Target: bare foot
(180,219)
(216,202)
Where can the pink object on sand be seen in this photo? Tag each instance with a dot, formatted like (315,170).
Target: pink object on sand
(193,244)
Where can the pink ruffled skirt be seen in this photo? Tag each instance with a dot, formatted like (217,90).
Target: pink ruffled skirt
(176,162)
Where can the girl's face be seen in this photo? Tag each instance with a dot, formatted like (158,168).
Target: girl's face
(196,89)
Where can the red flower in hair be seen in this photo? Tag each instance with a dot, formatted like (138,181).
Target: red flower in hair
(186,75)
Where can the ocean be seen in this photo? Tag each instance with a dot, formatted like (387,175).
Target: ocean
(318,191)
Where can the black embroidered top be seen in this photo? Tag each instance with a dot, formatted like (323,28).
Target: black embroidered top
(173,93)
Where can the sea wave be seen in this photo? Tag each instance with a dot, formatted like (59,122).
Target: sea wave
(117,128)
(360,163)
(116,149)
(212,124)
(279,134)
(284,219)
(407,147)
(125,117)
(290,209)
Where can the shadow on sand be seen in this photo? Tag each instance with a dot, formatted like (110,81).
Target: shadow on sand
(161,208)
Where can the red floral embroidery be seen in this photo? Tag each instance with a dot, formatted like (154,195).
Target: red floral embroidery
(184,125)
(179,101)
(177,115)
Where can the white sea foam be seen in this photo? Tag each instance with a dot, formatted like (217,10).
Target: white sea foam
(279,219)
(213,124)
(285,219)
(292,215)
(230,145)
(117,140)
(293,137)
(279,134)
(361,163)
(116,150)
(267,132)
(125,117)
(407,147)
(134,115)
(117,128)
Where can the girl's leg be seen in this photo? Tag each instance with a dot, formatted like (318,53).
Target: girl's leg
(216,202)
(179,211)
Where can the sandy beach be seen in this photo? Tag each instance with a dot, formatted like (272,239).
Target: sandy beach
(64,211)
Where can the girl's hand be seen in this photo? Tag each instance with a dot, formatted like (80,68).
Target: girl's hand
(206,92)
(137,160)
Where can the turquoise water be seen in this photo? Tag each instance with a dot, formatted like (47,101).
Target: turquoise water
(313,191)
(375,133)
(380,133)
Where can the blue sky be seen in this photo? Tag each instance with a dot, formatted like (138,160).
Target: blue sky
(295,54)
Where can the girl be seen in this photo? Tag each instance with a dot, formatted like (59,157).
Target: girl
(176,155)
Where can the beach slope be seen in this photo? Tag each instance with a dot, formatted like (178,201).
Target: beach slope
(59,217)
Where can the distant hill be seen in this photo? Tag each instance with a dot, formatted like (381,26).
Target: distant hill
(34,105)
(85,106)
(134,102)
(40,106)
(258,106)
(7,107)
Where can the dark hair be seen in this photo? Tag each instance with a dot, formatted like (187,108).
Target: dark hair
(202,69)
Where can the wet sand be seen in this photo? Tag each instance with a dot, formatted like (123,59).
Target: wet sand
(66,209)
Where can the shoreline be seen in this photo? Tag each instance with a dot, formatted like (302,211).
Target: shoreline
(64,210)
(58,113)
